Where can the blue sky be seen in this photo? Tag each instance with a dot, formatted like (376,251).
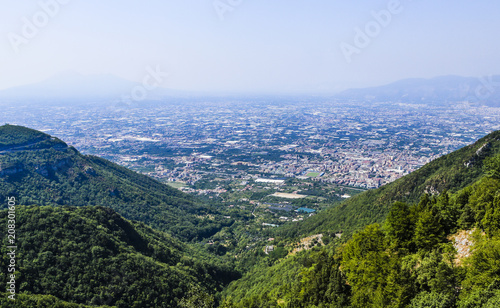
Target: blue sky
(257,46)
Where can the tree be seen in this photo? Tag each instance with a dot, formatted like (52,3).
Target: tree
(433,274)
(448,212)
(428,230)
(367,264)
(491,167)
(484,264)
(400,225)
(491,220)
(197,298)
(432,300)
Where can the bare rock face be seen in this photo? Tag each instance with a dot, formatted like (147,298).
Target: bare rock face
(463,243)
(45,169)
(17,168)
(90,171)
(480,153)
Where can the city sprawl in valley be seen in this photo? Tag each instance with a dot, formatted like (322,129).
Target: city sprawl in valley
(221,140)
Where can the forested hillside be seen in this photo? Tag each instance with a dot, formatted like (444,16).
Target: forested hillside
(93,256)
(38,169)
(441,251)
(14,137)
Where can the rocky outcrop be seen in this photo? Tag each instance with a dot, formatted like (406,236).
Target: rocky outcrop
(17,168)
(45,169)
(480,154)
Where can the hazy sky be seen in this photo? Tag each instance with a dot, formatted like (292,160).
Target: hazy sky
(250,45)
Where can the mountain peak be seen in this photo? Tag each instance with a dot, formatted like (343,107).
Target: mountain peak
(437,90)
(70,85)
(13,135)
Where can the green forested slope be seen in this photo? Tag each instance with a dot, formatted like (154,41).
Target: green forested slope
(47,172)
(449,172)
(413,261)
(442,251)
(308,279)
(93,256)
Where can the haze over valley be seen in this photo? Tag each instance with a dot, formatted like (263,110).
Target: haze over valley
(249,154)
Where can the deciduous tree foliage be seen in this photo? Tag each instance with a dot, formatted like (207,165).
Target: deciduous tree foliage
(93,256)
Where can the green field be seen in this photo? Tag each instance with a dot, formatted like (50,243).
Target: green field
(312,174)
(176,184)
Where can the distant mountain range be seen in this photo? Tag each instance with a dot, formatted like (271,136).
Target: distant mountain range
(77,87)
(444,89)
(71,86)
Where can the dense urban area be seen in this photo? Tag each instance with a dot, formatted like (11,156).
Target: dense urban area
(348,144)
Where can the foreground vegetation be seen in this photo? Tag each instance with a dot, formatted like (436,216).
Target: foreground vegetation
(93,256)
